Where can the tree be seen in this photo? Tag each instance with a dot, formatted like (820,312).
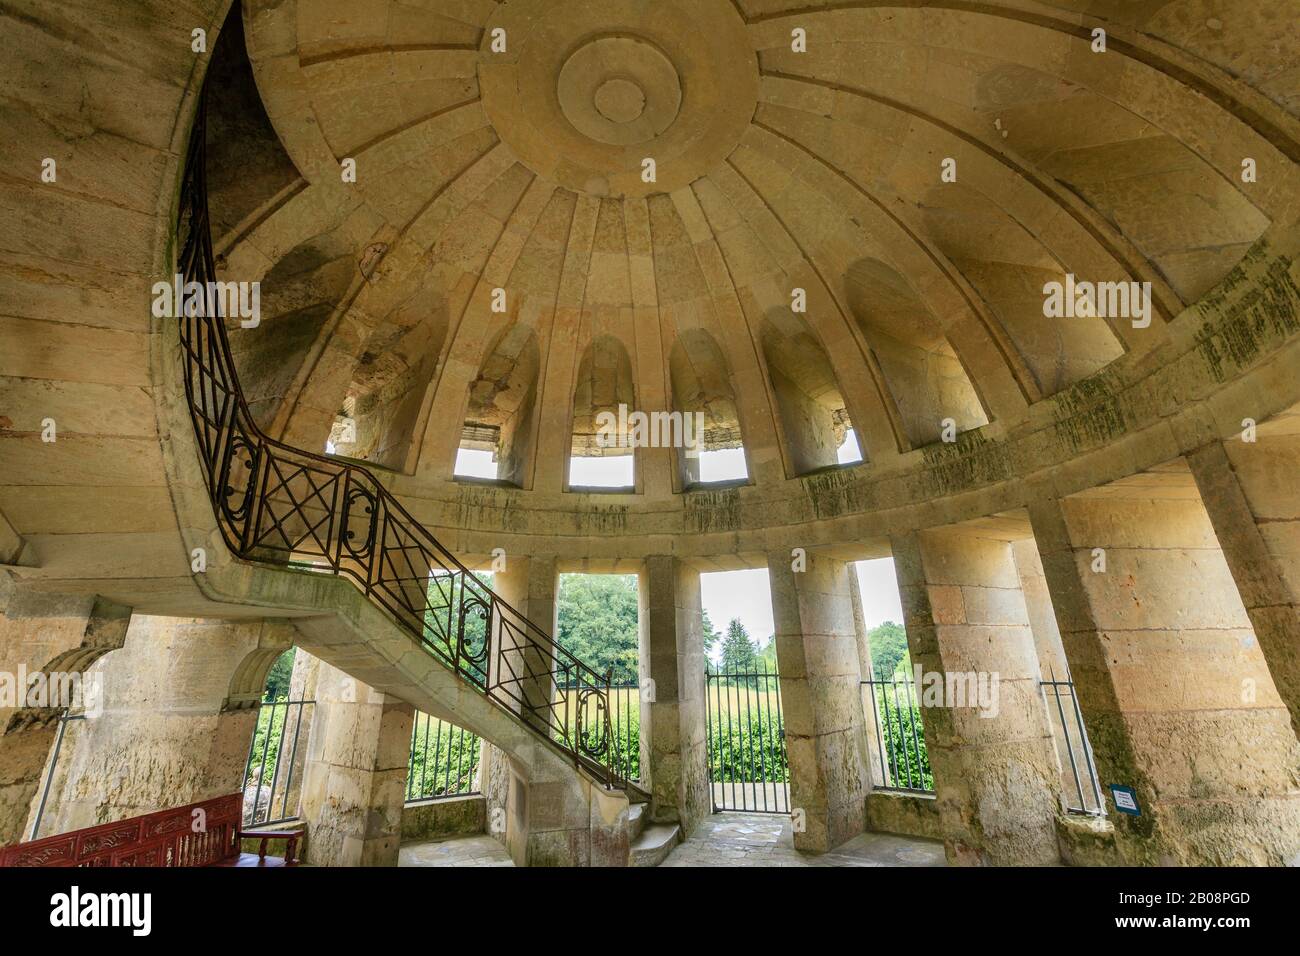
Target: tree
(711,635)
(277,679)
(598,622)
(768,654)
(738,651)
(888,643)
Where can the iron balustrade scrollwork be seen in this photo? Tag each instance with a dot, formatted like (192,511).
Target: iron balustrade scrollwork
(279,505)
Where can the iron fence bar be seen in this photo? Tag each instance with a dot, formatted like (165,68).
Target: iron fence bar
(261,764)
(892,734)
(708,731)
(731,748)
(780,734)
(1069,746)
(293,752)
(880,731)
(437,749)
(1087,744)
(762,756)
(279,754)
(410,761)
(898,712)
(889,737)
(913,713)
(54,763)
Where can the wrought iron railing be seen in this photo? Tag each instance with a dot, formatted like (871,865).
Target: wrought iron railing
(276,761)
(279,505)
(444,760)
(748,765)
(1079,787)
(900,741)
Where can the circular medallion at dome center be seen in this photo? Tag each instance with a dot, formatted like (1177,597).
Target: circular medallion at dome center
(585,92)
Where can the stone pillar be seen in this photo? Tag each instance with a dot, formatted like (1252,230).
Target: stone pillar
(1175,693)
(1067,735)
(522,666)
(50,634)
(871,726)
(354,785)
(1038,605)
(1251,491)
(674,747)
(817,651)
(995,770)
(173,725)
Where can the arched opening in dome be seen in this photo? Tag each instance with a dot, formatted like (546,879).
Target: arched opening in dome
(297,297)
(701,384)
(392,376)
(601,455)
(498,433)
(813,414)
(925,377)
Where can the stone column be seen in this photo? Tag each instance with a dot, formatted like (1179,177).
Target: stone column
(871,726)
(817,651)
(1251,491)
(173,726)
(52,635)
(1176,695)
(995,770)
(1038,605)
(354,785)
(674,748)
(522,665)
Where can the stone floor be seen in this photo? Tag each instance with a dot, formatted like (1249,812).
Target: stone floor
(723,839)
(459,851)
(759,839)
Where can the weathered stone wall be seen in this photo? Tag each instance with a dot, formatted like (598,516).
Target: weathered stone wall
(51,634)
(906,814)
(167,735)
(1175,692)
(446,817)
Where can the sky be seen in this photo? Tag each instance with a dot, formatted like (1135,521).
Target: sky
(747,595)
(726,594)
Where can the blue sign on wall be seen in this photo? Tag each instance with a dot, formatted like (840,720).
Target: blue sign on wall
(1126,799)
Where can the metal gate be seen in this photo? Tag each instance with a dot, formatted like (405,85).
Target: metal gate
(748,769)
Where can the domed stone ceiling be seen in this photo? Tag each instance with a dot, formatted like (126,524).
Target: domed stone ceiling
(503,268)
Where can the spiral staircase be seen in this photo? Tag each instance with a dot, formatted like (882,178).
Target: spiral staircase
(281,507)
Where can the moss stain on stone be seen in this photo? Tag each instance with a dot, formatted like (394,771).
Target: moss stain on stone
(1091,413)
(1251,324)
(836,491)
(973,459)
(713,510)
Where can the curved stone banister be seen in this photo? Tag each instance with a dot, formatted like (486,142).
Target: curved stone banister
(278,505)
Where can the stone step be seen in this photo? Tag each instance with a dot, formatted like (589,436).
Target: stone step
(636,821)
(654,844)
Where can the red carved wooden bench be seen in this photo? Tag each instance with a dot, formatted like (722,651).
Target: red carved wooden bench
(198,834)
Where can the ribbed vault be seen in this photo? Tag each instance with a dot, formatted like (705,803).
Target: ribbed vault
(501,261)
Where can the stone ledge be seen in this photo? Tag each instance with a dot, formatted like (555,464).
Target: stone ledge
(905,814)
(444,817)
(1086,840)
